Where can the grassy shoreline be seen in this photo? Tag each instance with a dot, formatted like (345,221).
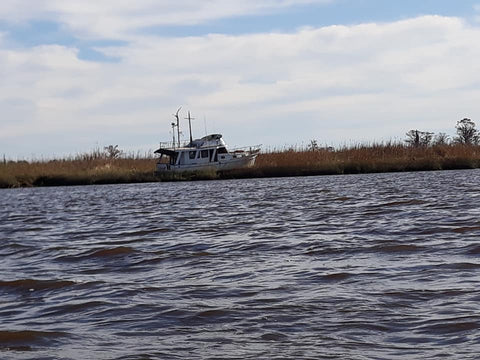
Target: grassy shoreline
(94,168)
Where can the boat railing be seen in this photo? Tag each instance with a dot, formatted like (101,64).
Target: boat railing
(171,144)
(249,149)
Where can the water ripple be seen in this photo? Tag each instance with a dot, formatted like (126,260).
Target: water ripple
(379,266)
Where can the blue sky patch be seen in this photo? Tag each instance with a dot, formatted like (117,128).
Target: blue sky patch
(37,33)
(344,12)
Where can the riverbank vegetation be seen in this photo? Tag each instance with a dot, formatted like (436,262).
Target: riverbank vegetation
(97,168)
(373,158)
(421,151)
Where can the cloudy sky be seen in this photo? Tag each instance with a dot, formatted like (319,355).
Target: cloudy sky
(81,74)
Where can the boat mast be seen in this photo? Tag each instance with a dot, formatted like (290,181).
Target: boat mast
(190,125)
(178,126)
(173,134)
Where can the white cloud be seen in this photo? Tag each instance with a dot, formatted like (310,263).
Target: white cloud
(335,84)
(114,19)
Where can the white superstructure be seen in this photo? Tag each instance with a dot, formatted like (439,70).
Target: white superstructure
(208,153)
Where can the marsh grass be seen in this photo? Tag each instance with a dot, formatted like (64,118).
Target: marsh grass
(84,169)
(95,168)
(368,158)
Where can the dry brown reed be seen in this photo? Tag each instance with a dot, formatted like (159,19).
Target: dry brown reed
(96,168)
(82,169)
(383,157)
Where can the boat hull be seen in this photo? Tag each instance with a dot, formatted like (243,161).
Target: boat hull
(232,164)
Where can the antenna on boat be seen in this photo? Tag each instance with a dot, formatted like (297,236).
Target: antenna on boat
(205,124)
(190,125)
(173,133)
(178,127)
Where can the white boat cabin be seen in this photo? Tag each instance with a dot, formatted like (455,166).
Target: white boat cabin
(209,152)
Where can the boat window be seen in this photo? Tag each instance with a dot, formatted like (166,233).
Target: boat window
(204,154)
(192,154)
(222,150)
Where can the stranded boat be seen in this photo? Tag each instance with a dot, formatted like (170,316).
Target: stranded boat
(208,153)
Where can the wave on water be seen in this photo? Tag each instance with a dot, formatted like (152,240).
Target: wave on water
(108,252)
(466,229)
(379,266)
(98,253)
(398,248)
(27,340)
(449,326)
(33,284)
(402,203)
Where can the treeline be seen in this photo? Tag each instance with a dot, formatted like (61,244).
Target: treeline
(467,134)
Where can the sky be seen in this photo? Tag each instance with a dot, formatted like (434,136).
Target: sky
(83,74)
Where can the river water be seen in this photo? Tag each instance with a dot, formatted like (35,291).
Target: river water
(377,266)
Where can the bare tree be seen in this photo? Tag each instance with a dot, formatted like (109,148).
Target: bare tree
(426,138)
(441,139)
(313,146)
(112,152)
(419,138)
(467,133)
(413,138)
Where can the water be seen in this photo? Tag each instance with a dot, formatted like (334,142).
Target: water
(381,266)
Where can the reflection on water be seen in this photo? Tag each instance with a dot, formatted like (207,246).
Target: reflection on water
(360,267)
